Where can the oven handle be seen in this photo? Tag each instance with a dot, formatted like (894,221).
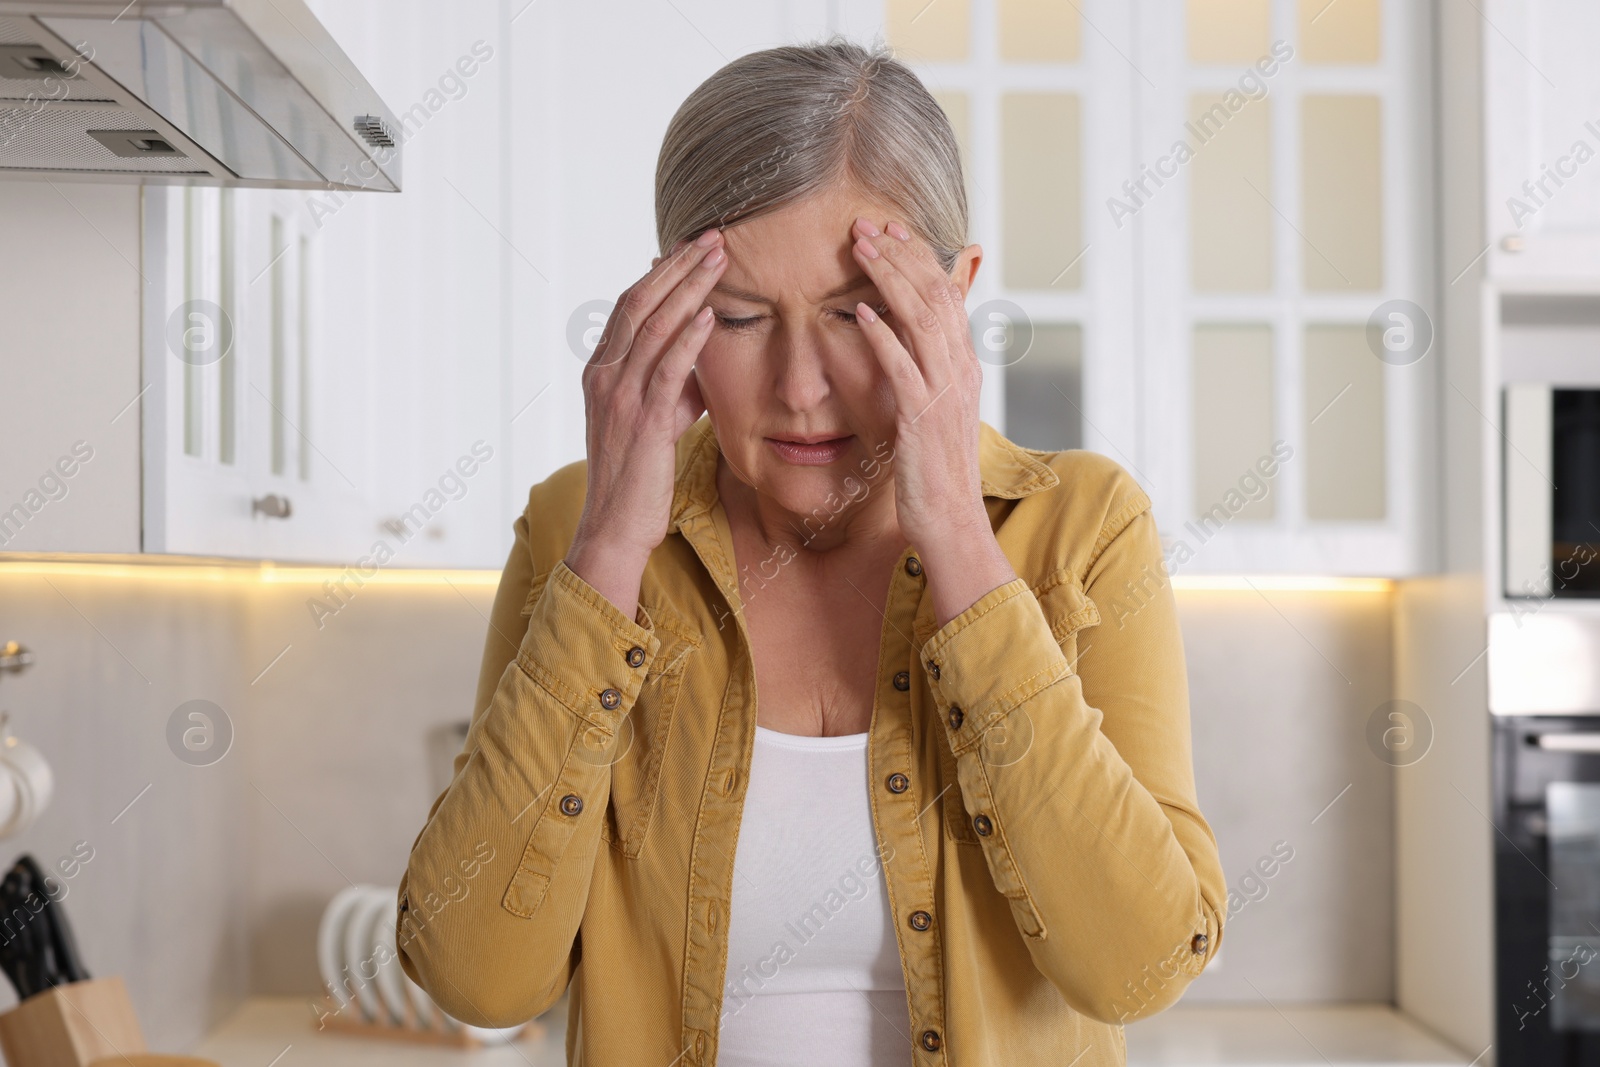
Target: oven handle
(1570,742)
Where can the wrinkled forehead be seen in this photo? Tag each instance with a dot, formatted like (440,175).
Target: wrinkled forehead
(799,254)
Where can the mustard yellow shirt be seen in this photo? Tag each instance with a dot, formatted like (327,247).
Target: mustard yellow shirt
(1046,862)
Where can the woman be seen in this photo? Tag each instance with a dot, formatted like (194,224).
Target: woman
(959,824)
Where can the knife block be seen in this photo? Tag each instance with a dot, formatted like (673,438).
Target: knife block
(71,1025)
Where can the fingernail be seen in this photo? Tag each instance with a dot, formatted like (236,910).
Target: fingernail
(864,312)
(713,257)
(868,249)
(897,230)
(866,226)
(707,239)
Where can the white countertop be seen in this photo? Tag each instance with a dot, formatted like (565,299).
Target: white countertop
(1250,1035)
(281,1032)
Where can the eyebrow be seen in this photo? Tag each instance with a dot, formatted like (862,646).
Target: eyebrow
(860,281)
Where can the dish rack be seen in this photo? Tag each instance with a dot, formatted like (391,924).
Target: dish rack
(411,1028)
(367,994)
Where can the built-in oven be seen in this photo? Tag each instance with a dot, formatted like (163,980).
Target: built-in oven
(1550,367)
(1544,686)
(1552,466)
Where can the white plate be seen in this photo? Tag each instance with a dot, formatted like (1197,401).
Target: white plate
(428,1013)
(487,1034)
(391,977)
(330,940)
(361,952)
(499,1036)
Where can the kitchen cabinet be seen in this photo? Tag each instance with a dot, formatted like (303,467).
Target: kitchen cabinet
(298,375)
(245,455)
(69,355)
(1206,236)
(354,419)
(414,288)
(1541,141)
(361,409)
(1207,243)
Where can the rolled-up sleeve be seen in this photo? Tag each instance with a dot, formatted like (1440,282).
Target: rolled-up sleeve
(495,887)
(1079,780)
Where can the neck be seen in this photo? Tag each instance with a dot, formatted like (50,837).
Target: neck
(852,529)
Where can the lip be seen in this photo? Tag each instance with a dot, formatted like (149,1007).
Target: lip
(813,452)
(808,439)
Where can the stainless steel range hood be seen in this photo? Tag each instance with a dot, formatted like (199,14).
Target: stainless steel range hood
(218,92)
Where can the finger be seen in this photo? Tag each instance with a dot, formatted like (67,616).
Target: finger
(922,323)
(672,371)
(667,322)
(642,298)
(938,289)
(906,380)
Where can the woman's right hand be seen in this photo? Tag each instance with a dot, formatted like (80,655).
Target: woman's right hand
(639,398)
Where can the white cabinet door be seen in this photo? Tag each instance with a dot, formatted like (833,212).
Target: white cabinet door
(583,136)
(1279,203)
(69,353)
(1542,138)
(1215,219)
(353,418)
(413,290)
(245,454)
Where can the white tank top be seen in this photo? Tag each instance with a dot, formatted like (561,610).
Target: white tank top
(813,971)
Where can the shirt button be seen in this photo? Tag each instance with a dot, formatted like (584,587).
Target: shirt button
(956,716)
(571,804)
(898,782)
(610,698)
(1198,943)
(933,669)
(635,656)
(921,920)
(930,1040)
(913,566)
(982,824)
(902,681)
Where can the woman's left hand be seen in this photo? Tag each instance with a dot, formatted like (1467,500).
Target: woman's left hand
(935,383)
(938,486)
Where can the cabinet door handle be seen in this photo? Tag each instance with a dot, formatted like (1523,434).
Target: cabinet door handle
(273,506)
(1585,741)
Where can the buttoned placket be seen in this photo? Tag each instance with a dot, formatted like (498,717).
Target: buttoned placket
(898,800)
(714,844)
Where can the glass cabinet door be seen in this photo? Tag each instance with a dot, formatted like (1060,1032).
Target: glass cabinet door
(1206,255)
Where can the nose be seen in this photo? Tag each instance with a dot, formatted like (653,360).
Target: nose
(802,383)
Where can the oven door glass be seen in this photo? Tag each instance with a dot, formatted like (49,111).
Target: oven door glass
(1571,982)
(1575,494)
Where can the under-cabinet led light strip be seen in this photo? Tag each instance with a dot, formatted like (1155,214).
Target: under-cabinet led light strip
(206,569)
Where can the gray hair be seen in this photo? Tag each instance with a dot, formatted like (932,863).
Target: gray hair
(775,126)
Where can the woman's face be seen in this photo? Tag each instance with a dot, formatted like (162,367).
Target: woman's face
(786,359)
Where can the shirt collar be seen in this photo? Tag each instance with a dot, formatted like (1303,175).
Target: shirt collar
(1007,470)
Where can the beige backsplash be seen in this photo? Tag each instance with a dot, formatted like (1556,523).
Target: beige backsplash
(210,886)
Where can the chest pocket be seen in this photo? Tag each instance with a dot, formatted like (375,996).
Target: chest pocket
(635,753)
(1069,611)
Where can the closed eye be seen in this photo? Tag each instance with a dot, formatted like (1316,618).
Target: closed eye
(850,316)
(749,322)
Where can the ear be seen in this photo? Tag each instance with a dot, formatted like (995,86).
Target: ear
(965,271)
